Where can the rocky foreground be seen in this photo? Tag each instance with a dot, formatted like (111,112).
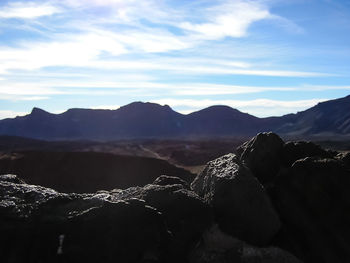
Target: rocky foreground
(270,202)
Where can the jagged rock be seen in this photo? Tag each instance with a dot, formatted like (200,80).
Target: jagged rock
(345,158)
(170,180)
(262,155)
(11,178)
(313,201)
(241,206)
(19,200)
(218,247)
(186,214)
(293,151)
(38,224)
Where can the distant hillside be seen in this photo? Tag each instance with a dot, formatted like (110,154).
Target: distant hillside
(86,171)
(326,118)
(148,120)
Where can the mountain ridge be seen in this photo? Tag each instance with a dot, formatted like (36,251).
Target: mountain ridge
(151,120)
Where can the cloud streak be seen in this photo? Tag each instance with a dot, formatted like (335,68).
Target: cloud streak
(58,52)
(28,10)
(256,107)
(230,19)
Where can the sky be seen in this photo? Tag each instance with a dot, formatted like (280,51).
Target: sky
(263,57)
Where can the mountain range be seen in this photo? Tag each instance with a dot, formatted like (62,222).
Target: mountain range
(149,120)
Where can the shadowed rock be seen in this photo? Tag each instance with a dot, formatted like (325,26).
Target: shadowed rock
(38,224)
(186,214)
(293,151)
(241,206)
(218,247)
(262,155)
(170,180)
(313,201)
(344,158)
(11,178)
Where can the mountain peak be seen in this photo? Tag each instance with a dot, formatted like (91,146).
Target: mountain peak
(38,111)
(139,105)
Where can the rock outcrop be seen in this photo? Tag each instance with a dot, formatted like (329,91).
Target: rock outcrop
(218,247)
(313,200)
(240,204)
(186,215)
(293,151)
(308,187)
(262,155)
(272,202)
(38,224)
(170,180)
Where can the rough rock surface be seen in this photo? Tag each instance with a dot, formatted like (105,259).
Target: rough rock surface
(240,204)
(228,215)
(293,151)
(186,214)
(11,178)
(313,200)
(262,155)
(344,158)
(38,224)
(218,247)
(169,180)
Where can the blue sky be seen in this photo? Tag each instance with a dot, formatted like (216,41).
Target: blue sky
(264,57)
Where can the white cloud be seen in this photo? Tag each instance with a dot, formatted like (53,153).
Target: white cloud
(28,10)
(10,114)
(257,107)
(12,97)
(73,51)
(133,87)
(216,89)
(94,47)
(230,19)
(105,107)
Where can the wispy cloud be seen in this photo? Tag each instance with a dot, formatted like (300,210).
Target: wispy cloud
(28,10)
(131,85)
(230,19)
(257,107)
(91,39)
(56,50)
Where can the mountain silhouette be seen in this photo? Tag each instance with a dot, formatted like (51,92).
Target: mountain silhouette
(149,120)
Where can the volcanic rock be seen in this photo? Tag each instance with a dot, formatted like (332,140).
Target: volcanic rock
(186,214)
(170,180)
(262,155)
(240,204)
(218,247)
(293,151)
(344,158)
(313,201)
(38,224)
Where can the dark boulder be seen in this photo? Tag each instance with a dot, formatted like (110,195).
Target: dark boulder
(313,201)
(186,214)
(38,224)
(262,155)
(293,151)
(218,247)
(170,180)
(240,204)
